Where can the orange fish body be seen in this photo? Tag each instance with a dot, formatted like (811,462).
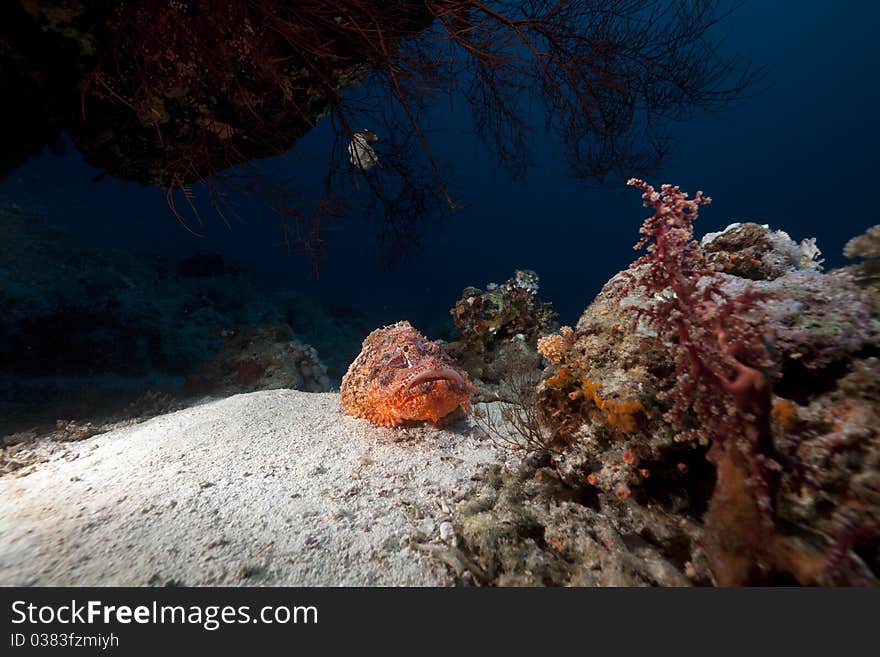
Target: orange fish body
(401,377)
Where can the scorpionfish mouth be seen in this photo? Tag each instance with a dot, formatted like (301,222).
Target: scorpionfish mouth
(454,380)
(433,394)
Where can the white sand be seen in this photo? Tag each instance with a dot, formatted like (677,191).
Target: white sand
(268,488)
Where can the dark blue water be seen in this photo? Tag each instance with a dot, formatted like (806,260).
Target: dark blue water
(800,154)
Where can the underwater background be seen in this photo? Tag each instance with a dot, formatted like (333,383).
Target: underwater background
(797,151)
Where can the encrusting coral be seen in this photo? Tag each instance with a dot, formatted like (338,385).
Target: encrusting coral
(619,415)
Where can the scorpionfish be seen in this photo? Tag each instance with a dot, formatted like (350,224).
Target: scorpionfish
(402,377)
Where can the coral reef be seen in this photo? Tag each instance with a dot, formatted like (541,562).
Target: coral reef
(503,311)
(529,529)
(499,329)
(744,402)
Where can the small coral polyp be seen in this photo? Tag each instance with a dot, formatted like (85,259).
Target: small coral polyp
(401,377)
(555,347)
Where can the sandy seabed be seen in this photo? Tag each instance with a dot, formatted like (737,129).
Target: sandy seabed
(266,488)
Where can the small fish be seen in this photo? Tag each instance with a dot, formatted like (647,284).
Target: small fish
(360,152)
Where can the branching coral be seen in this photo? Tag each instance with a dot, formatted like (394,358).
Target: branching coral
(178,92)
(717,350)
(719,395)
(520,422)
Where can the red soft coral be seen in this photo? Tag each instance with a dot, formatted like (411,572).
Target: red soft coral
(719,393)
(717,350)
